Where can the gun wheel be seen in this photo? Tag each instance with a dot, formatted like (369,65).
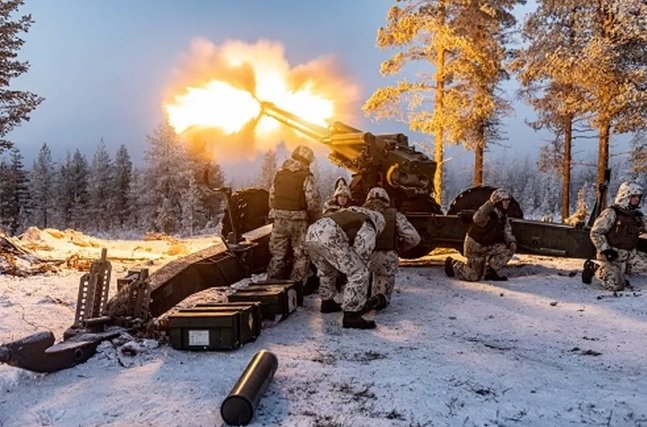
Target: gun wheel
(474,197)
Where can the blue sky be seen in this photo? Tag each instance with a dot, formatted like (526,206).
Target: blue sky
(103,66)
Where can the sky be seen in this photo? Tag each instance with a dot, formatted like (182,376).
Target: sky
(104,67)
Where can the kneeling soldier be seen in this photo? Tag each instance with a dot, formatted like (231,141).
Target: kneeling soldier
(615,234)
(489,243)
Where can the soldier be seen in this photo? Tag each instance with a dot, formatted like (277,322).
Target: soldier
(294,204)
(340,198)
(398,234)
(342,243)
(615,234)
(489,243)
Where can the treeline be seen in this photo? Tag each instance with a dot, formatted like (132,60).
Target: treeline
(107,195)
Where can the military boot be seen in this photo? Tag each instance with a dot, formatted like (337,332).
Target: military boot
(376,302)
(449,266)
(490,274)
(330,306)
(354,320)
(588,271)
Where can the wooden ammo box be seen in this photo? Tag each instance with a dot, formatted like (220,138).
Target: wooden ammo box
(274,300)
(205,330)
(250,317)
(288,284)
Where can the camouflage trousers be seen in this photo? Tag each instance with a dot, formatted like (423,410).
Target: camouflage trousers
(612,274)
(384,267)
(329,249)
(478,257)
(287,249)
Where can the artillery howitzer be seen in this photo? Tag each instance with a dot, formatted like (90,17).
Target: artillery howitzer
(407,175)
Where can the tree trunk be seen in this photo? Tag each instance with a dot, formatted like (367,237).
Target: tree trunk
(438,134)
(478,157)
(566,167)
(603,156)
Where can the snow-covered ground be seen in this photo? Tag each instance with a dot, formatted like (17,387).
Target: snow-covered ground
(542,349)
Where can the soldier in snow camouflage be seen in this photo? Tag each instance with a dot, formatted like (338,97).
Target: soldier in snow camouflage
(342,242)
(489,243)
(615,234)
(398,234)
(294,204)
(340,198)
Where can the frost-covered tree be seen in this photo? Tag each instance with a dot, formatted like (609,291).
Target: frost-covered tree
(122,178)
(14,192)
(72,192)
(612,69)
(462,42)
(268,170)
(15,105)
(41,180)
(166,174)
(194,214)
(100,189)
(546,67)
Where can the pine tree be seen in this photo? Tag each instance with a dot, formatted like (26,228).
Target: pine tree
(462,41)
(612,69)
(79,173)
(166,174)
(101,194)
(42,179)
(193,212)
(123,173)
(268,170)
(15,105)
(546,69)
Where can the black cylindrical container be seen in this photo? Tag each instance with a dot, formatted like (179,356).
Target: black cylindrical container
(238,408)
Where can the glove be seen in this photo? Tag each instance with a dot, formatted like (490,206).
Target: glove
(610,254)
(512,246)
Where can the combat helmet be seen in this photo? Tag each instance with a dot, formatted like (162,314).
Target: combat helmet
(499,195)
(626,190)
(303,154)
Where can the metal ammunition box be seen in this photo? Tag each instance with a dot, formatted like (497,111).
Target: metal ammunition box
(275,302)
(288,284)
(250,317)
(205,330)
(254,307)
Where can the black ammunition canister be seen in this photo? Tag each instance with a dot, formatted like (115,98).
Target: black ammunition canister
(238,408)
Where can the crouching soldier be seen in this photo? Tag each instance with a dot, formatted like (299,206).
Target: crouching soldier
(489,243)
(342,243)
(615,235)
(294,204)
(398,234)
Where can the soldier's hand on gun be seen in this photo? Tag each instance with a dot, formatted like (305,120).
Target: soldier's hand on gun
(512,246)
(610,254)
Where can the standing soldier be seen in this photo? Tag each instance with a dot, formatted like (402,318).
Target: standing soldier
(398,234)
(615,234)
(294,204)
(342,243)
(340,198)
(489,243)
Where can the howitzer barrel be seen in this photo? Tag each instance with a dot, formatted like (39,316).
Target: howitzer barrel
(238,408)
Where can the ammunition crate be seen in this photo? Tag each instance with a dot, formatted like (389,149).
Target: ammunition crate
(250,317)
(288,284)
(205,330)
(274,301)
